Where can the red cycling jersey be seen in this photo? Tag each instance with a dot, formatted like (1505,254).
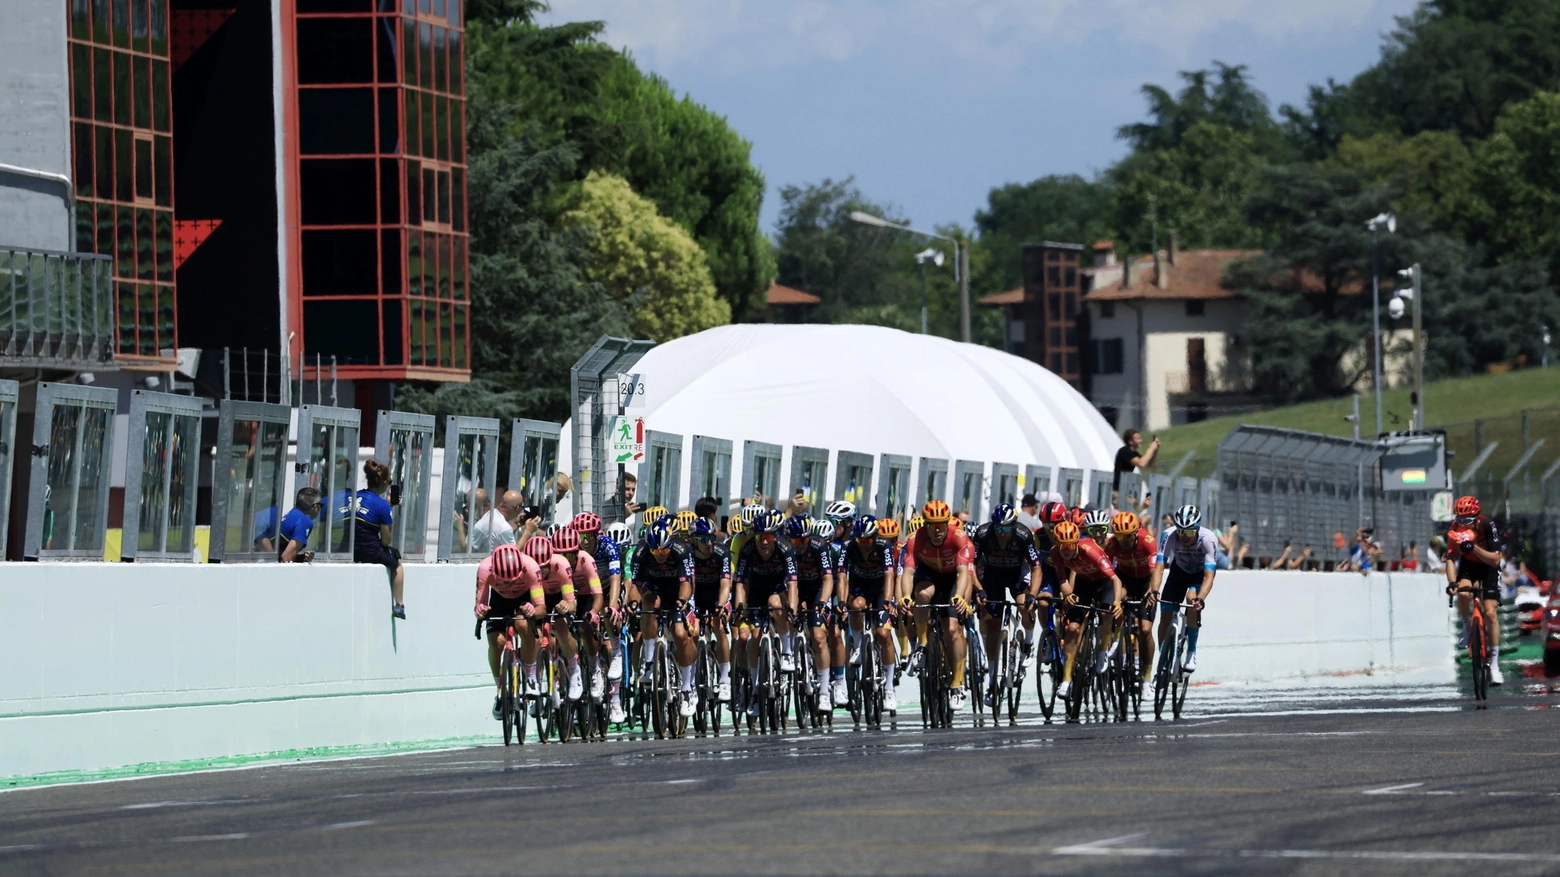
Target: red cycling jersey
(955,551)
(1133,556)
(529,585)
(1089,562)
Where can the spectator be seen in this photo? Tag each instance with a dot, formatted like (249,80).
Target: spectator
(707,507)
(798,505)
(371,541)
(964,516)
(621,506)
(1029,512)
(297,525)
(1129,456)
(497,527)
(1231,548)
(562,484)
(1435,555)
(1409,558)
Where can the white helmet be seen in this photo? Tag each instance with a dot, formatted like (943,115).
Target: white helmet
(839,510)
(750,512)
(823,527)
(1186,517)
(618,532)
(1096,518)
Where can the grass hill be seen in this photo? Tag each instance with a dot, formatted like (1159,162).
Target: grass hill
(1454,403)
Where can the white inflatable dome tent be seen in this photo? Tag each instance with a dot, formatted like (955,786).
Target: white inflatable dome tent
(882,417)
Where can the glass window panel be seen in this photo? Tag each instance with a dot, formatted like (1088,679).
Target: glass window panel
(425,7)
(143,169)
(104,138)
(160,97)
(86,227)
(446,348)
(389,192)
(80,19)
(344,328)
(81,80)
(458,267)
(124,165)
(441,127)
(425,55)
(413,124)
(181,518)
(444,266)
(409,51)
(441,79)
(156,442)
(105,230)
(457,132)
(340,261)
(124,232)
(409,7)
(139,29)
(102,86)
(165,246)
(414,330)
(458,196)
(336,121)
(82,151)
(146,320)
(391,331)
(67,473)
(126,294)
(457,59)
(460,336)
(430,195)
(389,121)
(444,197)
(121,24)
(166,335)
(338,191)
(163,171)
(414,262)
(121,88)
(159,27)
(141,94)
(387,66)
(145,255)
(438,8)
(332,50)
(335,6)
(428,132)
(100,21)
(413,188)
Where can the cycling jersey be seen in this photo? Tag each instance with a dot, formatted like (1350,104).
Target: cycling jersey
(1133,556)
(766,575)
(607,556)
(708,572)
(1089,562)
(954,552)
(737,543)
(557,577)
(1483,533)
(664,574)
(529,585)
(1043,545)
(874,563)
(586,578)
(1007,566)
(1196,557)
(812,563)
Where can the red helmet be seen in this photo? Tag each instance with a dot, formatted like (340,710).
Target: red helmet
(586,522)
(1078,516)
(539,549)
(1466,507)
(1053,513)
(565,539)
(507,564)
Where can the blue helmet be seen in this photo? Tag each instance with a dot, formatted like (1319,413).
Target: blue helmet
(866,527)
(798,527)
(702,528)
(1004,515)
(767,522)
(659,535)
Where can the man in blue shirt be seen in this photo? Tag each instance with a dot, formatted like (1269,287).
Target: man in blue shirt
(297,525)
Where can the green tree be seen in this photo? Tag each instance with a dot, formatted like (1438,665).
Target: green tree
(1433,170)
(1519,178)
(645,261)
(1054,208)
(1197,188)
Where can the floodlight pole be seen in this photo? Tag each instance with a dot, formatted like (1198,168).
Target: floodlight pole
(1419,352)
(1375,303)
(961,268)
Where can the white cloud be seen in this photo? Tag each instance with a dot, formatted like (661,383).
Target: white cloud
(739,35)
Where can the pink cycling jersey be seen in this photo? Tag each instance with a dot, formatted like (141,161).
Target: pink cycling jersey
(528,586)
(586,579)
(556,574)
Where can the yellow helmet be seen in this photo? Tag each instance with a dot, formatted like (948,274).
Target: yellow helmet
(734,525)
(915,523)
(655,513)
(936,512)
(1065,533)
(684,521)
(888,528)
(1124,524)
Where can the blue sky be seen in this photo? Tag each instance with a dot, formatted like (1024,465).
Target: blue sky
(931,103)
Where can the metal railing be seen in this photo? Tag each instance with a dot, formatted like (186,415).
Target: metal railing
(56,309)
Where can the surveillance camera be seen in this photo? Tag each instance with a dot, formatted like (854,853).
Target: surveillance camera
(151,382)
(1395,308)
(85,378)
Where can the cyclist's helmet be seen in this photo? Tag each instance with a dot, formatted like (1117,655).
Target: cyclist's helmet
(565,539)
(1004,515)
(507,564)
(1097,522)
(751,512)
(1053,513)
(684,521)
(770,521)
(839,510)
(1066,534)
(825,527)
(956,524)
(735,525)
(1466,507)
(539,549)
(618,533)
(703,528)
(936,512)
(1078,516)
(915,523)
(1124,524)
(1186,517)
(866,527)
(586,522)
(798,527)
(658,536)
(654,513)
(888,528)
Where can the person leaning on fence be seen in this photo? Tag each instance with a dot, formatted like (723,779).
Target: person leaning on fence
(296,527)
(372,536)
(1130,456)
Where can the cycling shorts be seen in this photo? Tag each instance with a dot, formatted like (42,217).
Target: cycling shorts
(707,596)
(809,593)
(664,590)
(1100,594)
(1179,587)
(871,590)
(1484,578)
(759,590)
(942,584)
(503,610)
(998,582)
(1049,580)
(1135,586)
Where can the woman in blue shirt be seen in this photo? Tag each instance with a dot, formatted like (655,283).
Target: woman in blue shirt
(371,539)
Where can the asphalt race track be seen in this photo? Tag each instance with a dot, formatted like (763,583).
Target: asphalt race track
(1355,780)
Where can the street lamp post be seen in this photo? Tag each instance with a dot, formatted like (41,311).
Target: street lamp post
(1416,276)
(1390,221)
(961,267)
(935,256)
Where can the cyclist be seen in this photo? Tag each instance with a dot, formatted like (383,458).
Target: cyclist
(603,550)
(939,563)
(558,585)
(741,529)
(826,529)
(1474,552)
(712,591)
(566,543)
(867,572)
(1050,584)
(1133,549)
(815,592)
(1096,525)
(1184,569)
(1007,566)
(617,536)
(766,576)
(664,574)
(508,586)
(1091,582)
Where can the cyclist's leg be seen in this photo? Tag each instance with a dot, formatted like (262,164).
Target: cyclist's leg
(686,651)
(527,630)
(835,631)
(781,622)
(953,631)
(649,627)
(1072,635)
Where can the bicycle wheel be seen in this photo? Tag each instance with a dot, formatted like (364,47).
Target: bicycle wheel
(703,689)
(1180,680)
(1478,657)
(660,696)
(1048,670)
(1078,698)
(1013,688)
(506,700)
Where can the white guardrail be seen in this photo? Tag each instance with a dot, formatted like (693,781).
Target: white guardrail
(123,669)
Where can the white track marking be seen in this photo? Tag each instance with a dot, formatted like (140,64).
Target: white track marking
(1391,790)
(1111,846)
(238,835)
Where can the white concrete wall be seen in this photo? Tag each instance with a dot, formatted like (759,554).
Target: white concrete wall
(113,665)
